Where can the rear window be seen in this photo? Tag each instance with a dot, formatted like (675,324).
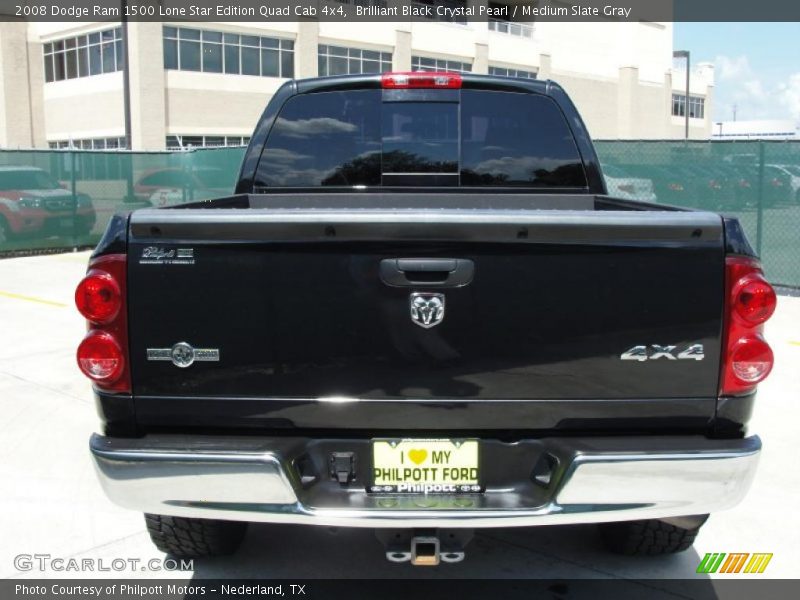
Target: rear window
(353,138)
(420,137)
(325,139)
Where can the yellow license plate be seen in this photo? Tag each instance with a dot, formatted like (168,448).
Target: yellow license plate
(425,466)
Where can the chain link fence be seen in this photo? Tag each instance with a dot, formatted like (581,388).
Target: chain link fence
(64,198)
(756,181)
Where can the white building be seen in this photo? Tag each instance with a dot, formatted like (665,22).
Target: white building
(207,83)
(784,129)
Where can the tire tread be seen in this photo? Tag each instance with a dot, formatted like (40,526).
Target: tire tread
(650,537)
(194,538)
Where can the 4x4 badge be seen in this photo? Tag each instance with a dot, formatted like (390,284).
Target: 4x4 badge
(654,352)
(427,310)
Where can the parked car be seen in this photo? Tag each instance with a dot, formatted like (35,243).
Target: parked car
(422,313)
(623,185)
(670,185)
(166,187)
(742,185)
(34,204)
(776,186)
(711,185)
(793,173)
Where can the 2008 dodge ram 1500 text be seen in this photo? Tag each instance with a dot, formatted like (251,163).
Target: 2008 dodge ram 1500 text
(420,313)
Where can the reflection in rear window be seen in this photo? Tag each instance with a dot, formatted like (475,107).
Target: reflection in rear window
(352,138)
(420,137)
(324,139)
(516,139)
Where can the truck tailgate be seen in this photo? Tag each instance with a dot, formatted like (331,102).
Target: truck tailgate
(296,306)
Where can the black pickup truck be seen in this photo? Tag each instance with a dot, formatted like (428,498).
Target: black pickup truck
(421,313)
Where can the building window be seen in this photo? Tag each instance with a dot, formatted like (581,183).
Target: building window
(510,28)
(84,55)
(507,26)
(423,63)
(111,143)
(183,142)
(504,72)
(336,60)
(216,52)
(697,106)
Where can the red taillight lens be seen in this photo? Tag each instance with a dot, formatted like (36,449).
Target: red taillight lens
(98,297)
(437,79)
(754,299)
(100,357)
(750,301)
(751,360)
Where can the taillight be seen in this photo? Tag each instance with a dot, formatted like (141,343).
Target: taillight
(100,357)
(421,79)
(750,301)
(100,298)
(751,359)
(754,299)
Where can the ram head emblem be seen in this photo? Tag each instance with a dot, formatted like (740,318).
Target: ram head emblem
(427,310)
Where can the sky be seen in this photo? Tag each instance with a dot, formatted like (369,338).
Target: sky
(757,66)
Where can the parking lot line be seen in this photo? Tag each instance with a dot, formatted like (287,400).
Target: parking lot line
(32,299)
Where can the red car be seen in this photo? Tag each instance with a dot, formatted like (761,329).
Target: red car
(34,204)
(164,187)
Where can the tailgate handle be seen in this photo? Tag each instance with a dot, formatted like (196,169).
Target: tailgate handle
(436,272)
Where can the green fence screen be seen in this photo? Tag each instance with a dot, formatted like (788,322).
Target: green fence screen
(756,181)
(64,198)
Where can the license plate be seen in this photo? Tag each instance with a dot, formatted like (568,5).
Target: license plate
(425,466)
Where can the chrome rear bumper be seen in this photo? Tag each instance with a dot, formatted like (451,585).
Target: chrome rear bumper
(592,480)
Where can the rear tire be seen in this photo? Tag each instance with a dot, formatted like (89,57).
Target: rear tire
(194,538)
(650,537)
